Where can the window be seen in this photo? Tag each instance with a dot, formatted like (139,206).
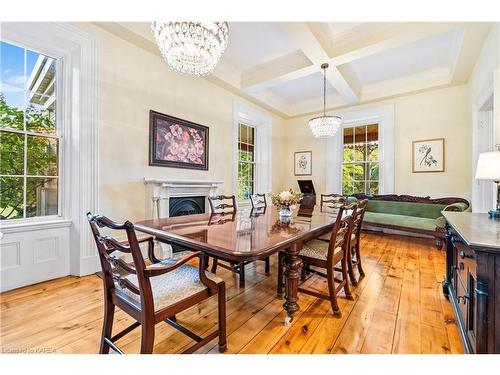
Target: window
(29,136)
(360,165)
(246,161)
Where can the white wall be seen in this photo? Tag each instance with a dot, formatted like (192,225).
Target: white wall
(486,74)
(432,114)
(131,82)
(484,81)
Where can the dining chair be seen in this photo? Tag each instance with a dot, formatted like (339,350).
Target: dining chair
(225,208)
(332,200)
(151,293)
(354,253)
(258,200)
(331,256)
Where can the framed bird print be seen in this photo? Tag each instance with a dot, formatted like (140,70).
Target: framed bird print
(303,163)
(428,155)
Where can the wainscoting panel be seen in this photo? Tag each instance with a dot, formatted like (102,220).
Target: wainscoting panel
(11,255)
(32,256)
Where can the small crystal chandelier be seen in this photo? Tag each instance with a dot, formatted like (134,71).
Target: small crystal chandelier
(324,126)
(192,48)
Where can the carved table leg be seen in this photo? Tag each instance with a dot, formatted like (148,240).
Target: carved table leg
(292,265)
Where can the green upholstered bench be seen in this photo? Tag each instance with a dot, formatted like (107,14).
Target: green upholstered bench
(409,214)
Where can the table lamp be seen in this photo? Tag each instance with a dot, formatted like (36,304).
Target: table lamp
(488,168)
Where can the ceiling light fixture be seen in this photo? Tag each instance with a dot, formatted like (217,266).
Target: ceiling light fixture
(324,126)
(192,48)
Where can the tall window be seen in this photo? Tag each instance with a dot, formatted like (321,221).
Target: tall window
(29,137)
(360,166)
(246,161)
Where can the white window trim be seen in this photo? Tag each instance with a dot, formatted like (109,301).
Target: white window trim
(262,123)
(384,117)
(78,118)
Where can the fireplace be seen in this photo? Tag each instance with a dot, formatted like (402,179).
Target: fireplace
(180,206)
(171,197)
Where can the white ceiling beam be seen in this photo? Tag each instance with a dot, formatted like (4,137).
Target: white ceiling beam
(387,40)
(285,68)
(305,39)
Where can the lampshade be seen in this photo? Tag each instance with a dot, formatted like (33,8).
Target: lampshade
(488,166)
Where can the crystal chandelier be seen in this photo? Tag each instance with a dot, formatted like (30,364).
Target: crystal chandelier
(324,126)
(192,48)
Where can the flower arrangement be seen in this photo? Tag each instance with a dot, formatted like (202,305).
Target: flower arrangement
(285,198)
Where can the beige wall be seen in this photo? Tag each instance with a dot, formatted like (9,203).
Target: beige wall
(131,82)
(433,114)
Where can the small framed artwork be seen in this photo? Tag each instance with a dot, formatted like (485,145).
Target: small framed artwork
(177,143)
(303,163)
(428,155)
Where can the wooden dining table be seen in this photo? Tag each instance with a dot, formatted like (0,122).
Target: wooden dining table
(248,235)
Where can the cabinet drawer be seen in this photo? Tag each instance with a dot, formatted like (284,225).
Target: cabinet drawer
(461,292)
(466,261)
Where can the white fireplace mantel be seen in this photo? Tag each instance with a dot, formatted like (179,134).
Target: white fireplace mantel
(159,191)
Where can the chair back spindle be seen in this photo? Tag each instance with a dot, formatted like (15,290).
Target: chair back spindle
(222,207)
(332,200)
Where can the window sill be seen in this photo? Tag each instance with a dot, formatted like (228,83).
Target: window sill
(28,226)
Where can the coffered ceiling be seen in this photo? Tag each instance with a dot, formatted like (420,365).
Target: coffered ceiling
(277,65)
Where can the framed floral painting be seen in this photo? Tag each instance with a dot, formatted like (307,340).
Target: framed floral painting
(303,163)
(428,155)
(177,143)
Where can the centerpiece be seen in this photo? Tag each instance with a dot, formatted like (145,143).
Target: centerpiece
(284,201)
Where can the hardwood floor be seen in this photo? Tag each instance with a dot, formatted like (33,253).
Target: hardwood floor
(398,308)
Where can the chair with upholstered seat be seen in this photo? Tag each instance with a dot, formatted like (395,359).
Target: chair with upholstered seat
(151,293)
(331,256)
(354,253)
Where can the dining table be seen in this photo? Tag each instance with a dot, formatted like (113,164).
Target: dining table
(248,235)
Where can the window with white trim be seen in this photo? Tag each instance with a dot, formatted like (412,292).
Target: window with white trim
(29,134)
(246,161)
(360,164)
(252,136)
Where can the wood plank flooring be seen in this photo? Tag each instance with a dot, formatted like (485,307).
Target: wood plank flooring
(398,308)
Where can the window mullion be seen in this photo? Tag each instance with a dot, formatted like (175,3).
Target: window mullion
(25,150)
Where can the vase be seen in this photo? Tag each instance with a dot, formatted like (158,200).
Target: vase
(285,212)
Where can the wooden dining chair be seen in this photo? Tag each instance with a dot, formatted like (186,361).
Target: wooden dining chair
(332,200)
(354,253)
(227,204)
(331,256)
(258,201)
(225,208)
(152,293)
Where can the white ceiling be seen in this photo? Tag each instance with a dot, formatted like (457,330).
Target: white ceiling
(254,43)
(277,65)
(433,52)
(304,88)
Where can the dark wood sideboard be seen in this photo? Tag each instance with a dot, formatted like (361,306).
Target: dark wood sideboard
(472,281)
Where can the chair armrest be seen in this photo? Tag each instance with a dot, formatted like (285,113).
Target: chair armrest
(458,207)
(152,271)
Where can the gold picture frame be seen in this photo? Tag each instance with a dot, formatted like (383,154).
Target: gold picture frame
(428,155)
